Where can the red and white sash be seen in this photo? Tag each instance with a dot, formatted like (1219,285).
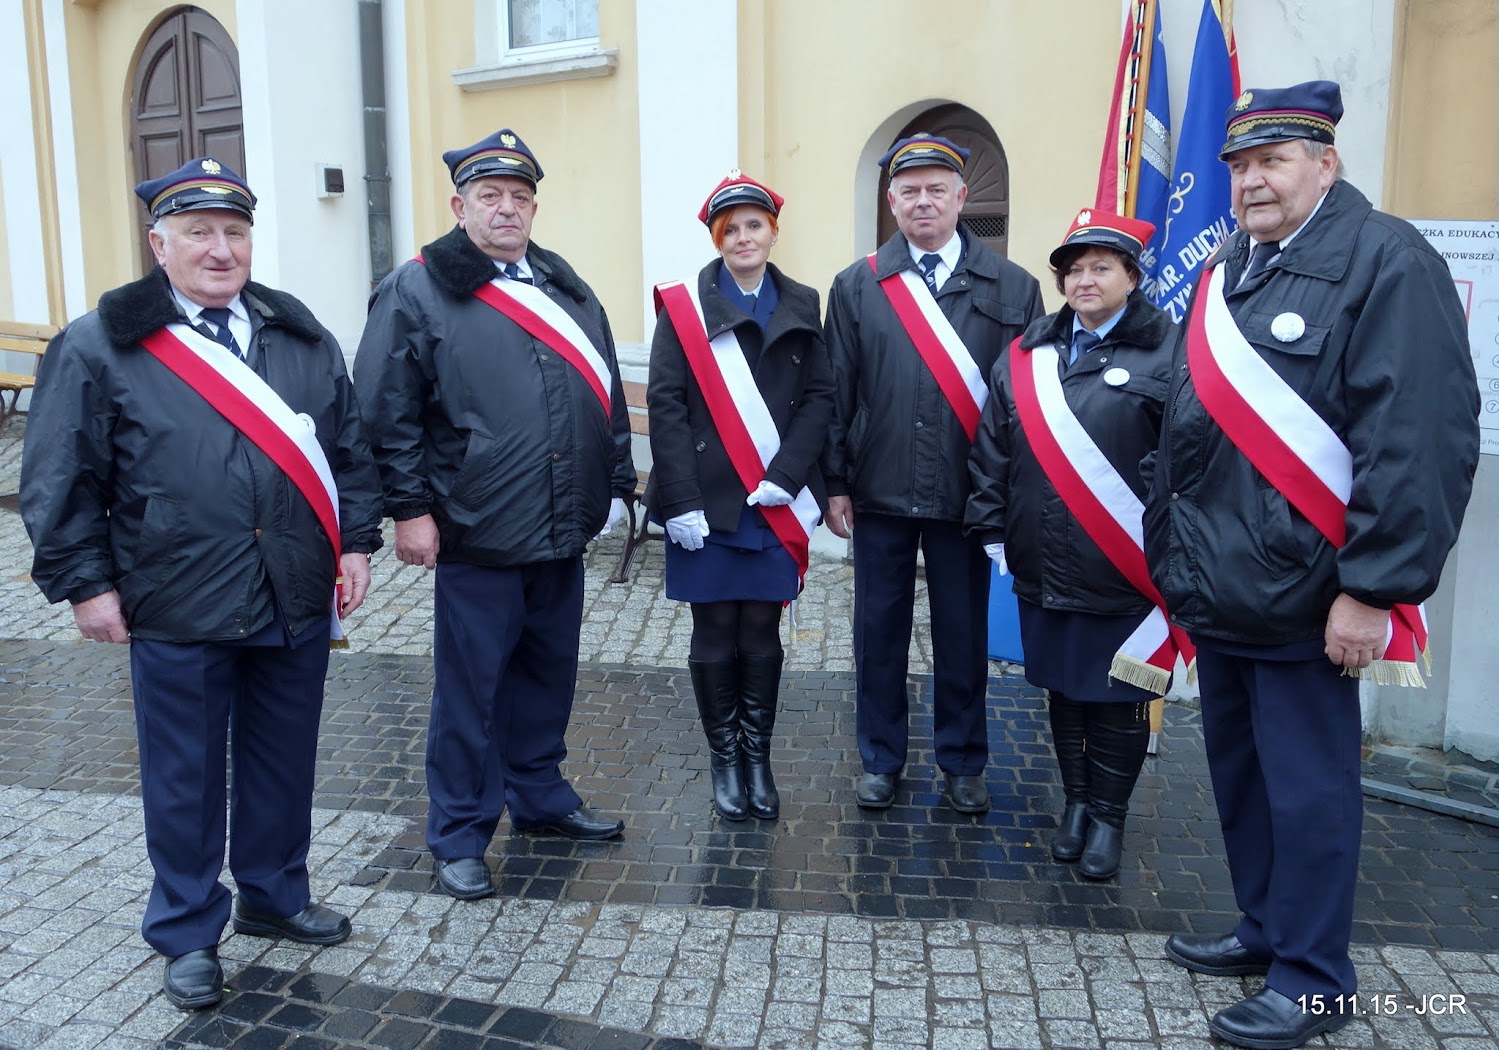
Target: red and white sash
(233,390)
(739,413)
(1105,506)
(532,309)
(1295,450)
(959,378)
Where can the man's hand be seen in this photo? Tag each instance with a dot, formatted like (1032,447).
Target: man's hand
(355,569)
(100,619)
(416,541)
(616,514)
(769,494)
(1355,633)
(841,516)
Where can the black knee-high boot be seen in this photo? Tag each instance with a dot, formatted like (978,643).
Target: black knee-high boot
(759,692)
(1069,721)
(716,685)
(1118,735)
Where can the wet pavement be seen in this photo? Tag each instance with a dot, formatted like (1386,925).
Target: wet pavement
(832,927)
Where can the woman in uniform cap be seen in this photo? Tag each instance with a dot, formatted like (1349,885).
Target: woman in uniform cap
(740,398)
(1076,608)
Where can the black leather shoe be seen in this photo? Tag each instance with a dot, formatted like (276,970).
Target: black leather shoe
(1101,851)
(1067,844)
(314,924)
(1268,1020)
(194,980)
(584,825)
(877,790)
(966,794)
(1219,956)
(466,878)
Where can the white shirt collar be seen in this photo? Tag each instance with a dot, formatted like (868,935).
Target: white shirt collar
(522,264)
(237,309)
(951,252)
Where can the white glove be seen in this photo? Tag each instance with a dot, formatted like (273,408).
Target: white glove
(996,552)
(616,512)
(688,530)
(769,494)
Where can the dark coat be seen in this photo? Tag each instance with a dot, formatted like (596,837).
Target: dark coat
(477,423)
(131,481)
(1055,562)
(690,470)
(1384,361)
(895,445)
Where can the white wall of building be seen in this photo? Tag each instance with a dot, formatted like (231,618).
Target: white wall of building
(299,72)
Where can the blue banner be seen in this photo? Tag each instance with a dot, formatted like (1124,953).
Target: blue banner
(1154,187)
(1198,214)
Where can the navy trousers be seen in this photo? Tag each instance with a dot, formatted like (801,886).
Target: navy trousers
(505,647)
(957,579)
(261,704)
(1283,740)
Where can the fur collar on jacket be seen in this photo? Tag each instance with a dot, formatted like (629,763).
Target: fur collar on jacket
(460,268)
(1143,324)
(133,311)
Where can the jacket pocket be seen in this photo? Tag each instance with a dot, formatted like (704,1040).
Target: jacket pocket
(999,311)
(475,478)
(1263,331)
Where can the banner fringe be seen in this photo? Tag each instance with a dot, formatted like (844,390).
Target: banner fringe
(1139,673)
(1392,672)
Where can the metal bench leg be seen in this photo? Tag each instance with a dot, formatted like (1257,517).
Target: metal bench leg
(633,541)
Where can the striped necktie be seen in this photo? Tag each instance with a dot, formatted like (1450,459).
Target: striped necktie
(218,318)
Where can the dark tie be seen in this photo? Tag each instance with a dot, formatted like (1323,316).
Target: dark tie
(218,316)
(749,303)
(512,271)
(1259,258)
(929,263)
(1083,342)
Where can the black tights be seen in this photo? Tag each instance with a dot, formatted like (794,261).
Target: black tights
(721,630)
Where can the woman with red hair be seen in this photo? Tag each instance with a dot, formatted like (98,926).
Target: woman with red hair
(740,398)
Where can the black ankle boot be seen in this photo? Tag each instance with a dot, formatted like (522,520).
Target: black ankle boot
(1118,735)
(1069,721)
(716,686)
(759,692)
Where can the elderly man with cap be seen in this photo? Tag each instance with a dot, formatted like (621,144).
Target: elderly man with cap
(500,429)
(913,331)
(1316,458)
(195,478)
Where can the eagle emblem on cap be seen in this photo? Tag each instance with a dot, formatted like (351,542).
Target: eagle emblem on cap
(1084,217)
(507,139)
(1242,102)
(212,167)
(734,173)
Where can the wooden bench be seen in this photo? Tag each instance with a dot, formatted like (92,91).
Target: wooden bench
(640,526)
(24,339)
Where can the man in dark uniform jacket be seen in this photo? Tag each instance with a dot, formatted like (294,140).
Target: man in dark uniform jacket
(183,534)
(502,452)
(1344,321)
(897,460)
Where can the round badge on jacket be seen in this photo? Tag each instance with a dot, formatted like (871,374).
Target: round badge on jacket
(1287,327)
(306,421)
(1116,376)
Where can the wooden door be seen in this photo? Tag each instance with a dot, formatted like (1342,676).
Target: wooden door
(184,102)
(986,213)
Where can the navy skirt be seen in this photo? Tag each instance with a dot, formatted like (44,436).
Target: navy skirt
(1070,653)
(746,565)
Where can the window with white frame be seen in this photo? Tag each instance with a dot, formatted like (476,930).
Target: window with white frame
(535,28)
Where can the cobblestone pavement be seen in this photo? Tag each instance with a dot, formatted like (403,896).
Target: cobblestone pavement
(830,928)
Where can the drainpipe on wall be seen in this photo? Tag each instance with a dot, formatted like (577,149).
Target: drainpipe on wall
(376,151)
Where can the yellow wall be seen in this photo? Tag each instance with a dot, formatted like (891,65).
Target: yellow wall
(583,133)
(104,41)
(7,296)
(1444,111)
(834,71)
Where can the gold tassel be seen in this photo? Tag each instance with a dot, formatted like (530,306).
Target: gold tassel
(1139,673)
(1390,672)
(338,643)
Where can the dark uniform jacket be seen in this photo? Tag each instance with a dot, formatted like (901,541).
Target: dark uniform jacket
(477,423)
(895,445)
(690,470)
(1055,563)
(131,481)
(1384,360)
